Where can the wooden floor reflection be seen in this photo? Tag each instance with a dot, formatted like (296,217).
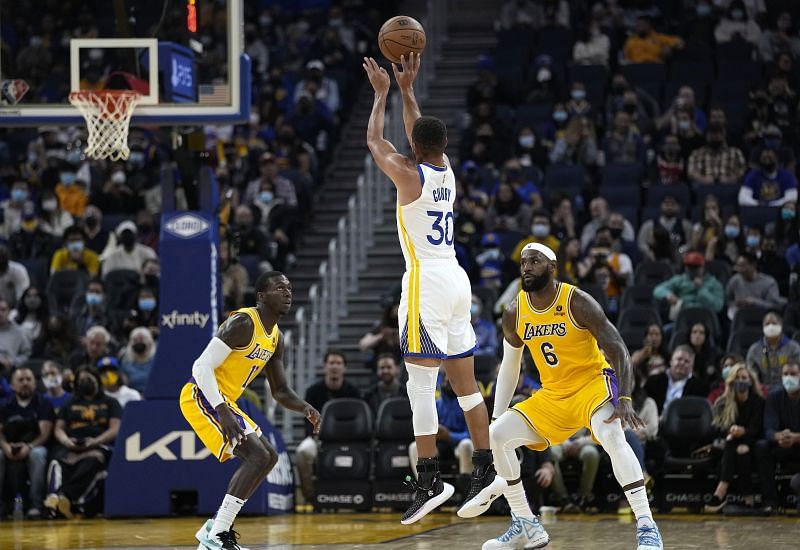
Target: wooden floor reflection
(381,531)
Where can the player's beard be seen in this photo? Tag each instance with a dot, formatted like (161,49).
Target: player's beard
(538,283)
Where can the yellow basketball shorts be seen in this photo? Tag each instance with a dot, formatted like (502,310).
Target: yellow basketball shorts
(205,422)
(555,416)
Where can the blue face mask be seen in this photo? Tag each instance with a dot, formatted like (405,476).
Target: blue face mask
(94,299)
(266,196)
(684,125)
(73,156)
(731,231)
(753,241)
(32,158)
(527,141)
(147,304)
(787,214)
(703,10)
(726,371)
(19,195)
(136,159)
(68,178)
(560,116)
(75,246)
(540,230)
(473,309)
(578,95)
(791,383)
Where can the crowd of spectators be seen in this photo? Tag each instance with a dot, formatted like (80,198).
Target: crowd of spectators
(79,263)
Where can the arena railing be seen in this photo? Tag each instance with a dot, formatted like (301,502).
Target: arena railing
(317,323)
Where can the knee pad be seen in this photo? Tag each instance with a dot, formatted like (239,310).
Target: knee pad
(421,390)
(469,402)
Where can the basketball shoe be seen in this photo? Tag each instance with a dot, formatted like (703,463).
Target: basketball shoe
(427,496)
(523,533)
(647,535)
(225,540)
(485,486)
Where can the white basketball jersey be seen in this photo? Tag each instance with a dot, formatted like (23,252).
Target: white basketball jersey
(426,226)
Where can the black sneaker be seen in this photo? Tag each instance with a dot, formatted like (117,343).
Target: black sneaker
(224,540)
(485,486)
(426,499)
(715,505)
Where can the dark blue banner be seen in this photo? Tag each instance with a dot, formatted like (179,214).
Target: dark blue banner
(189,301)
(157,453)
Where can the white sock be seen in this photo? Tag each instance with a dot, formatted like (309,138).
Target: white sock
(515,495)
(226,514)
(637,499)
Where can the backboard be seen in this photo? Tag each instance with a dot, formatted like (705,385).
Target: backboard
(184,56)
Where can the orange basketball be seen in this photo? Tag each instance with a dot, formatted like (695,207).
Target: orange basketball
(401,35)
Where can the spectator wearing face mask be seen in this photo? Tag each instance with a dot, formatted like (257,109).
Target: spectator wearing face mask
(781,443)
(53,380)
(54,219)
(138,357)
(252,239)
(577,105)
(117,195)
(768,185)
(678,228)
(128,254)
(145,313)
(769,354)
(89,309)
(730,242)
(592,46)
(490,262)
(623,144)
(540,233)
(781,38)
(485,331)
(71,193)
(113,383)
(648,46)
(12,209)
(748,287)
(684,100)
(670,165)
(97,237)
(31,241)
(530,151)
(735,24)
(74,254)
(716,162)
(13,278)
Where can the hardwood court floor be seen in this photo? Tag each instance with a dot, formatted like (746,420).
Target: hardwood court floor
(381,531)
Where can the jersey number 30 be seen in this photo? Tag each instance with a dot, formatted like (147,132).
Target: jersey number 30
(446,233)
(547,352)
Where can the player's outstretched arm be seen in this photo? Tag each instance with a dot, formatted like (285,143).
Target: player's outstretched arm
(405,81)
(400,169)
(587,313)
(508,375)
(281,391)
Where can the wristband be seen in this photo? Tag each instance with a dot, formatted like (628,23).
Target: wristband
(625,397)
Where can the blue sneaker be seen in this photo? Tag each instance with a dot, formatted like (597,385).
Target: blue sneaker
(647,535)
(201,533)
(523,533)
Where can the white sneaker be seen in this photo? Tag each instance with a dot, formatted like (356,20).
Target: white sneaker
(482,500)
(647,535)
(201,533)
(523,533)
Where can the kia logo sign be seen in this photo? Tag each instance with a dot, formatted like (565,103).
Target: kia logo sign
(187,226)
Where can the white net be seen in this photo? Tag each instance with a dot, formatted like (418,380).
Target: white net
(108,116)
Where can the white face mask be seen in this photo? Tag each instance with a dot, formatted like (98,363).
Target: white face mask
(51,382)
(772,330)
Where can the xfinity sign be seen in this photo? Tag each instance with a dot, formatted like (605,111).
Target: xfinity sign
(178,319)
(187,226)
(187,450)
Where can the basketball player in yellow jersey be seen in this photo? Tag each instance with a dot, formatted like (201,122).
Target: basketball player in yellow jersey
(564,329)
(245,344)
(434,312)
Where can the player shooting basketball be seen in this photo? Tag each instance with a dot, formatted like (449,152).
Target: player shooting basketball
(246,343)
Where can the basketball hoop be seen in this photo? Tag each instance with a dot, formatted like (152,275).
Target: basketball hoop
(108,116)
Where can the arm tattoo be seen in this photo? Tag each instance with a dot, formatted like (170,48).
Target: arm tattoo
(510,325)
(588,313)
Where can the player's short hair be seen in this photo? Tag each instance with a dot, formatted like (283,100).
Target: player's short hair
(429,135)
(265,279)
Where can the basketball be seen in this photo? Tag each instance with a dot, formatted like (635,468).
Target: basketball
(401,35)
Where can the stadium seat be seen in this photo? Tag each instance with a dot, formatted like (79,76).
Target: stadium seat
(629,195)
(652,273)
(595,75)
(688,316)
(344,459)
(250,263)
(682,337)
(509,240)
(644,74)
(720,269)
(750,317)
(758,216)
(740,340)
(624,175)
(737,50)
(121,288)
(533,114)
(745,70)
(38,270)
(596,292)
(568,178)
(791,317)
(639,296)
(680,191)
(686,426)
(393,434)
(62,288)
(638,318)
(633,338)
(727,194)
(485,366)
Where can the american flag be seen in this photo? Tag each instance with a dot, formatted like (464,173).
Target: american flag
(214,94)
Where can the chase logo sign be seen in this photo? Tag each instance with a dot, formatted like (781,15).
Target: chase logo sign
(187,226)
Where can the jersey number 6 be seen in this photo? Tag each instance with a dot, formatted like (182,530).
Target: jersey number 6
(446,233)
(547,352)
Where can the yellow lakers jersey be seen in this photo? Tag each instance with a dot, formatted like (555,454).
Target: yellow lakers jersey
(244,364)
(565,353)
